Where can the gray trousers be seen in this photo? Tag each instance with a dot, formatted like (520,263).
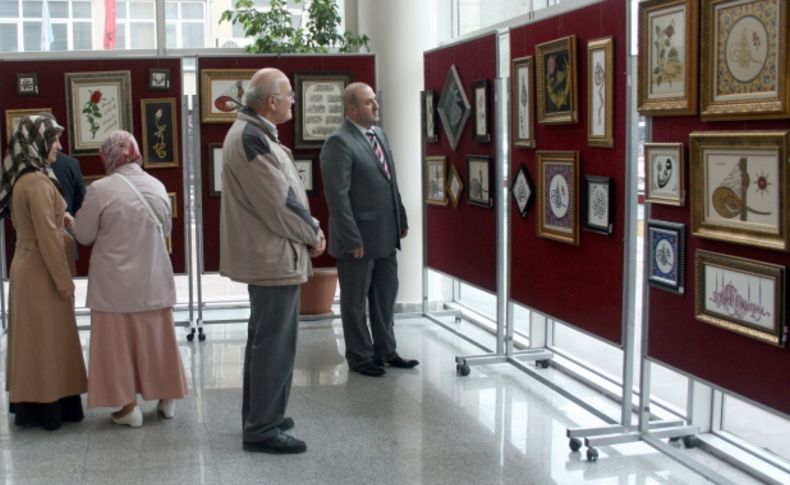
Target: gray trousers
(374,280)
(269,359)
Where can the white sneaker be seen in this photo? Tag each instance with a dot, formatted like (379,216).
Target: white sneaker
(134,419)
(167,407)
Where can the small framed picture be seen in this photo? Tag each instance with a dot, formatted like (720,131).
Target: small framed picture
(667,255)
(665,179)
(435,179)
(598,215)
(173,205)
(160,132)
(522,190)
(478,172)
(305,167)
(558,196)
(429,117)
(453,107)
(600,89)
(215,169)
(158,79)
(27,84)
(556,81)
(522,109)
(480,111)
(455,186)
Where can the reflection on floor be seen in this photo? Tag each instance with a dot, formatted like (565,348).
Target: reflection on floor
(425,425)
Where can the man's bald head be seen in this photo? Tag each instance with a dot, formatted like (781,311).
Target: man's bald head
(264,83)
(351,93)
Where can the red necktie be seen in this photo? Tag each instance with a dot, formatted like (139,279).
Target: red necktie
(379,152)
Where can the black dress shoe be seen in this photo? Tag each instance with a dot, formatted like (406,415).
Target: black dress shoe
(281,444)
(399,362)
(285,424)
(369,369)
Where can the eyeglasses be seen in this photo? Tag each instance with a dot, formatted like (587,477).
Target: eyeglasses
(288,94)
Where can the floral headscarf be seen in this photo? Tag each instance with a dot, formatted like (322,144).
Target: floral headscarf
(120,148)
(28,149)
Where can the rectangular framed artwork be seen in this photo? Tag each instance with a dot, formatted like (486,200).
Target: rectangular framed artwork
(160,132)
(556,81)
(319,107)
(666,255)
(478,173)
(222,93)
(27,84)
(744,59)
(305,167)
(599,204)
(558,196)
(741,295)
(453,107)
(739,187)
(173,205)
(600,89)
(481,132)
(522,109)
(215,169)
(158,79)
(435,180)
(98,103)
(665,180)
(12,117)
(429,120)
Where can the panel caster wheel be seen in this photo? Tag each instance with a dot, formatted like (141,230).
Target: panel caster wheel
(463,370)
(543,363)
(191,335)
(592,454)
(674,439)
(201,335)
(690,441)
(575,444)
(458,319)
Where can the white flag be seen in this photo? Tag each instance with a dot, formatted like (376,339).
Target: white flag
(46,28)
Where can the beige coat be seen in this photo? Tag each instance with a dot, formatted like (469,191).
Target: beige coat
(44,352)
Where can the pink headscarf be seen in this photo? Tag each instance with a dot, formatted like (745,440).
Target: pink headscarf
(120,148)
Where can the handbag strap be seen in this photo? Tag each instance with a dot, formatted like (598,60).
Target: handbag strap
(147,206)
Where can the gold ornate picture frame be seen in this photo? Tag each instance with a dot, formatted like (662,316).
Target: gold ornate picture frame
(455,186)
(436,180)
(665,174)
(558,196)
(222,93)
(556,85)
(600,92)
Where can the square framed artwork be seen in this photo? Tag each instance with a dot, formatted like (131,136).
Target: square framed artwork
(319,108)
(173,204)
(744,59)
(665,174)
(12,117)
(454,107)
(740,295)
(215,169)
(667,62)
(739,187)
(98,103)
(600,92)
(160,132)
(27,84)
(558,196)
(666,243)
(455,186)
(522,190)
(222,93)
(436,180)
(556,81)
(599,204)
(158,79)
(478,173)
(523,106)
(430,121)
(305,167)
(481,132)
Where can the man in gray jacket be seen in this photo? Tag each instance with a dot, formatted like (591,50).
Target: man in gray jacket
(267,237)
(366,222)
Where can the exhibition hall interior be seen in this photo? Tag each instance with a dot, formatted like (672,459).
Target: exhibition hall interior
(593,277)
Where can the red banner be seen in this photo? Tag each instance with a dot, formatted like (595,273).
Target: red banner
(109,24)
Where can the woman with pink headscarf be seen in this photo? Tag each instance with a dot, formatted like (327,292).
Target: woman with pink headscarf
(131,290)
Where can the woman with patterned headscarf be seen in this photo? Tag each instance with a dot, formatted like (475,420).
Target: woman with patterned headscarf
(46,372)
(131,290)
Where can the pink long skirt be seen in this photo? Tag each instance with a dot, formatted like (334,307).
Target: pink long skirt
(134,353)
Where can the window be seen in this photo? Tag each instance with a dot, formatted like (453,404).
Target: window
(26,26)
(185,22)
(135,24)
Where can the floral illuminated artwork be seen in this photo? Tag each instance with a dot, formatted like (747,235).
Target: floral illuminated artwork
(160,139)
(92,112)
(222,93)
(558,196)
(556,81)
(98,104)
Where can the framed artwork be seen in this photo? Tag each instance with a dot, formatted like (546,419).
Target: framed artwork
(598,216)
(173,205)
(667,255)
(478,171)
(160,132)
(521,96)
(740,295)
(27,84)
(305,166)
(522,190)
(558,196)
(745,71)
(480,111)
(222,93)
(319,107)
(158,79)
(665,179)
(98,103)
(215,169)
(429,121)
(436,180)
(455,186)
(556,81)
(12,117)
(667,62)
(453,107)
(739,187)
(169,243)
(600,92)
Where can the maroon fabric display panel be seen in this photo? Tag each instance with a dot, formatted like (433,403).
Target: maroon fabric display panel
(753,369)
(462,242)
(360,67)
(580,285)
(52,94)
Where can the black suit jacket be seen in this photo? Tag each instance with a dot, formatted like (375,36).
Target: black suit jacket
(72,185)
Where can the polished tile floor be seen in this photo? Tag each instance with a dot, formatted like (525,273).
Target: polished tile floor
(425,425)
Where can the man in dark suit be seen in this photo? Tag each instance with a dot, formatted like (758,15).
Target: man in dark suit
(72,185)
(366,222)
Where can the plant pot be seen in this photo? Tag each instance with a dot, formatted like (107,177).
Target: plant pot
(318,292)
